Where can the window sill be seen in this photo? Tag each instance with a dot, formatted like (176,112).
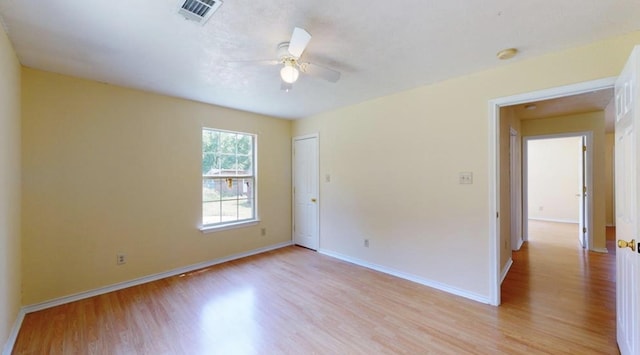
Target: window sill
(213,229)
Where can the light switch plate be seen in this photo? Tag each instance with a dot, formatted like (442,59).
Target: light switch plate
(466,178)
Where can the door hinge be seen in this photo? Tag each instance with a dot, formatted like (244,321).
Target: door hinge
(584,189)
(584,148)
(584,230)
(497,214)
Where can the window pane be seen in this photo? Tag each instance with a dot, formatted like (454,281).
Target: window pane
(246,188)
(228,189)
(228,142)
(244,165)
(211,212)
(210,147)
(245,145)
(245,209)
(228,164)
(210,141)
(210,190)
(210,164)
(229,211)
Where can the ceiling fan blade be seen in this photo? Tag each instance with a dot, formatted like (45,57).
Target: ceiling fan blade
(321,72)
(299,40)
(286,86)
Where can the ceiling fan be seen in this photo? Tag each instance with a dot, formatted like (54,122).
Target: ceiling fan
(289,54)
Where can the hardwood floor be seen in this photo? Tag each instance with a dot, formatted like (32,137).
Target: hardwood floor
(556,299)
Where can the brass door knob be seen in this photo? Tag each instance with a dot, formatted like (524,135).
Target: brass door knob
(625,244)
(313,200)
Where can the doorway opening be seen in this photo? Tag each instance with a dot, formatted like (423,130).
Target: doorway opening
(503,116)
(557,178)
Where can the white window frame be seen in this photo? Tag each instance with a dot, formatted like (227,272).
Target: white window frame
(214,227)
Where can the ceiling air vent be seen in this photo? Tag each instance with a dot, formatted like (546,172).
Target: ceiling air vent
(199,10)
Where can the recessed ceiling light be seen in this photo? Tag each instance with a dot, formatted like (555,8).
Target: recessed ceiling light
(530,107)
(507,53)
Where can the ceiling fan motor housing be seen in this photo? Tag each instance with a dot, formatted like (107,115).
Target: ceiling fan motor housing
(283,52)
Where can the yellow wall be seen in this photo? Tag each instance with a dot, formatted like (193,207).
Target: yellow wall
(610,217)
(9,187)
(594,122)
(108,170)
(395,160)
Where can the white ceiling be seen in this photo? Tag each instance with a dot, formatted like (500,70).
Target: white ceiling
(380,47)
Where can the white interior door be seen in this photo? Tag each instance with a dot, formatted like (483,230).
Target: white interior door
(305,191)
(626,182)
(582,194)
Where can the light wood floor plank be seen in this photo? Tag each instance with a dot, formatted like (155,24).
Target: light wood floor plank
(556,299)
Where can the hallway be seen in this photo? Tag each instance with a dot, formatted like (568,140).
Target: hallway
(553,281)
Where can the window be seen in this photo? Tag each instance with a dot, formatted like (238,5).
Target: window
(228,178)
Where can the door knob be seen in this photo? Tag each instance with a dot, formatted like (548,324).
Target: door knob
(625,244)
(313,200)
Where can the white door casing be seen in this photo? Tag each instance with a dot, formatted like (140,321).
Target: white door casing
(583,206)
(515,191)
(305,191)
(627,200)
(495,245)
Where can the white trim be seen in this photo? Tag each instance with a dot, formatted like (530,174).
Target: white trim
(224,227)
(515,188)
(494,203)
(13,335)
(600,250)
(553,93)
(556,220)
(505,270)
(122,285)
(519,245)
(410,277)
(494,164)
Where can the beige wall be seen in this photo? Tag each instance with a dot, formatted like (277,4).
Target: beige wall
(593,122)
(610,217)
(437,229)
(9,188)
(553,167)
(109,170)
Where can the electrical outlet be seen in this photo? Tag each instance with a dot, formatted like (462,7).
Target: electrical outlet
(465,178)
(366,243)
(263,231)
(121,259)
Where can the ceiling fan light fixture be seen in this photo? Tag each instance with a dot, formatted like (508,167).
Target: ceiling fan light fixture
(289,73)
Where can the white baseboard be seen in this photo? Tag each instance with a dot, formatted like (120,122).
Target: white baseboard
(146,279)
(11,341)
(518,245)
(554,220)
(403,275)
(600,250)
(505,269)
